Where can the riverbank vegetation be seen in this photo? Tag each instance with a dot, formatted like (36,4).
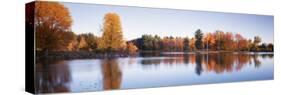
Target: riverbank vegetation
(54,34)
(215,41)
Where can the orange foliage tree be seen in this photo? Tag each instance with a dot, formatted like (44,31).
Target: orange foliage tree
(209,41)
(192,44)
(52,21)
(132,49)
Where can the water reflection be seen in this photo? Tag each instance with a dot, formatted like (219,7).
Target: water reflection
(198,67)
(216,62)
(51,78)
(151,70)
(112,74)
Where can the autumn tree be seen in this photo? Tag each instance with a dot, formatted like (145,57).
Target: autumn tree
(250,44)
(132,49)
(238,38)
(228,41)
(218,38)
(70,41)
(198,37)
(82,44)
(173,43)
(179,42)
(192,44)
(112,37)
(241,42)
(166,41)
(243,45)
(91,40)
(52,22)
(209,40)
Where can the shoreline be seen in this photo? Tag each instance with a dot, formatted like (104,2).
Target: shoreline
(68,55)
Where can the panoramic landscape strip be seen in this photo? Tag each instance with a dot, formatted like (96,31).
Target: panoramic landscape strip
(55,38)
(91,47)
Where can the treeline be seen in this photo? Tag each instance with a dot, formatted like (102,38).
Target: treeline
(111,40)
(215,41)
(93,43)
(53,32)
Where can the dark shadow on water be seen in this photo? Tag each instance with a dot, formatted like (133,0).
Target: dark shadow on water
(52,77)
(198,68)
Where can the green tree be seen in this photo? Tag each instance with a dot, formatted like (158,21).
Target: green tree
(150,42)
(198,37)
(263,47)
(270,47)
(186,44)
(257,40)
(156,42)
(147,42)
(256,43)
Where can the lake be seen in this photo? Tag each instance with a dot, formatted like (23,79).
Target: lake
(151,70)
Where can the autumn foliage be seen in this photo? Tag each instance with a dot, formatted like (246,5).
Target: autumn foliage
(53,33)
(53,26)
(112,37)
(131,48)
(210,41)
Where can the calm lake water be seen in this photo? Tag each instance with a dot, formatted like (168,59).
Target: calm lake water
(151,70)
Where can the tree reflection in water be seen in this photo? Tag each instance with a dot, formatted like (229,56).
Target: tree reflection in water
(198,68)
(229,62)
(211,62)
(52,77)
(64,76)
(256,61)
(112,75)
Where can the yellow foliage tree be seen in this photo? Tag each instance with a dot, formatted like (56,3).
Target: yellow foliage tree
(209,40)
(192,44)
(112,38)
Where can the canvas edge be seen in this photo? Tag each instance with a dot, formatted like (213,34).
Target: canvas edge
(29,48)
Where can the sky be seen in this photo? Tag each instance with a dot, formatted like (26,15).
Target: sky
(136,21)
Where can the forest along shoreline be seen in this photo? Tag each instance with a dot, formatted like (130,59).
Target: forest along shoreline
(55,39)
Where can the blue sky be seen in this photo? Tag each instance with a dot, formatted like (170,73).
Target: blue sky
(137,21)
